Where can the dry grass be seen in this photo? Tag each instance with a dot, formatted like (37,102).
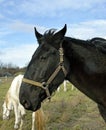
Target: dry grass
(69,110)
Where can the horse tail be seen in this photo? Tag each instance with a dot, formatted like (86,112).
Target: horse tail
(39,119)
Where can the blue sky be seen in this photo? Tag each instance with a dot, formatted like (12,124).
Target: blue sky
(85,19)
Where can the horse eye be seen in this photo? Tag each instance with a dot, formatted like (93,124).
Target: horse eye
(42,57)
(53,52)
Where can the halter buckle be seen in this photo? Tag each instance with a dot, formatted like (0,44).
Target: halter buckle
(45,87)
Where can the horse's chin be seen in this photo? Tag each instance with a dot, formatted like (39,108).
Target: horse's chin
(36,108)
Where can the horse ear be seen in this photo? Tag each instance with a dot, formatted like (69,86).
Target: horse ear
(37,34)
(61,33)
(59,36)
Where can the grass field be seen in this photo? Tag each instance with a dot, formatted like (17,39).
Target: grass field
(69,110)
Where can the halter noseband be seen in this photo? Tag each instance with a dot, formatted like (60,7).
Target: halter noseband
(45,85)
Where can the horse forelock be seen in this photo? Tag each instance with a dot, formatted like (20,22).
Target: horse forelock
(48,35)
(50,32)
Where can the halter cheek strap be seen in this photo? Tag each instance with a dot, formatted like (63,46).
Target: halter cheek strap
(45,85)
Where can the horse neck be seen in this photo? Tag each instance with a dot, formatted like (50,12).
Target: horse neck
(75,50)
(73,47)
(83,58)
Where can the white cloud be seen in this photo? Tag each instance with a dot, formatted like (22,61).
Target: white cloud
(12,14)
(17,25)
(84,30)
(1,16)
(2,1)
(48,7)
(20,26)
(4,31)
(19,55)
(89,29)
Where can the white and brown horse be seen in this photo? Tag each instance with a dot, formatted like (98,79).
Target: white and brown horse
(12,102)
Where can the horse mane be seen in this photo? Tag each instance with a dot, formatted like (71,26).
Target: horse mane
(97,39)
(78,41)
(98,43)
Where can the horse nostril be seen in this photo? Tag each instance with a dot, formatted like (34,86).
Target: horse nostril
(26,103)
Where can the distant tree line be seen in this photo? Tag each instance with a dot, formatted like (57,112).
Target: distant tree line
(10,69)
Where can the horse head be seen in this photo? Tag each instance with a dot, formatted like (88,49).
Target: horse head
(46,70)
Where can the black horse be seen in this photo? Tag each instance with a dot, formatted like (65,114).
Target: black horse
(82,62)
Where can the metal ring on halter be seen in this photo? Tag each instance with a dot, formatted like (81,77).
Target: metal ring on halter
(45,86)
